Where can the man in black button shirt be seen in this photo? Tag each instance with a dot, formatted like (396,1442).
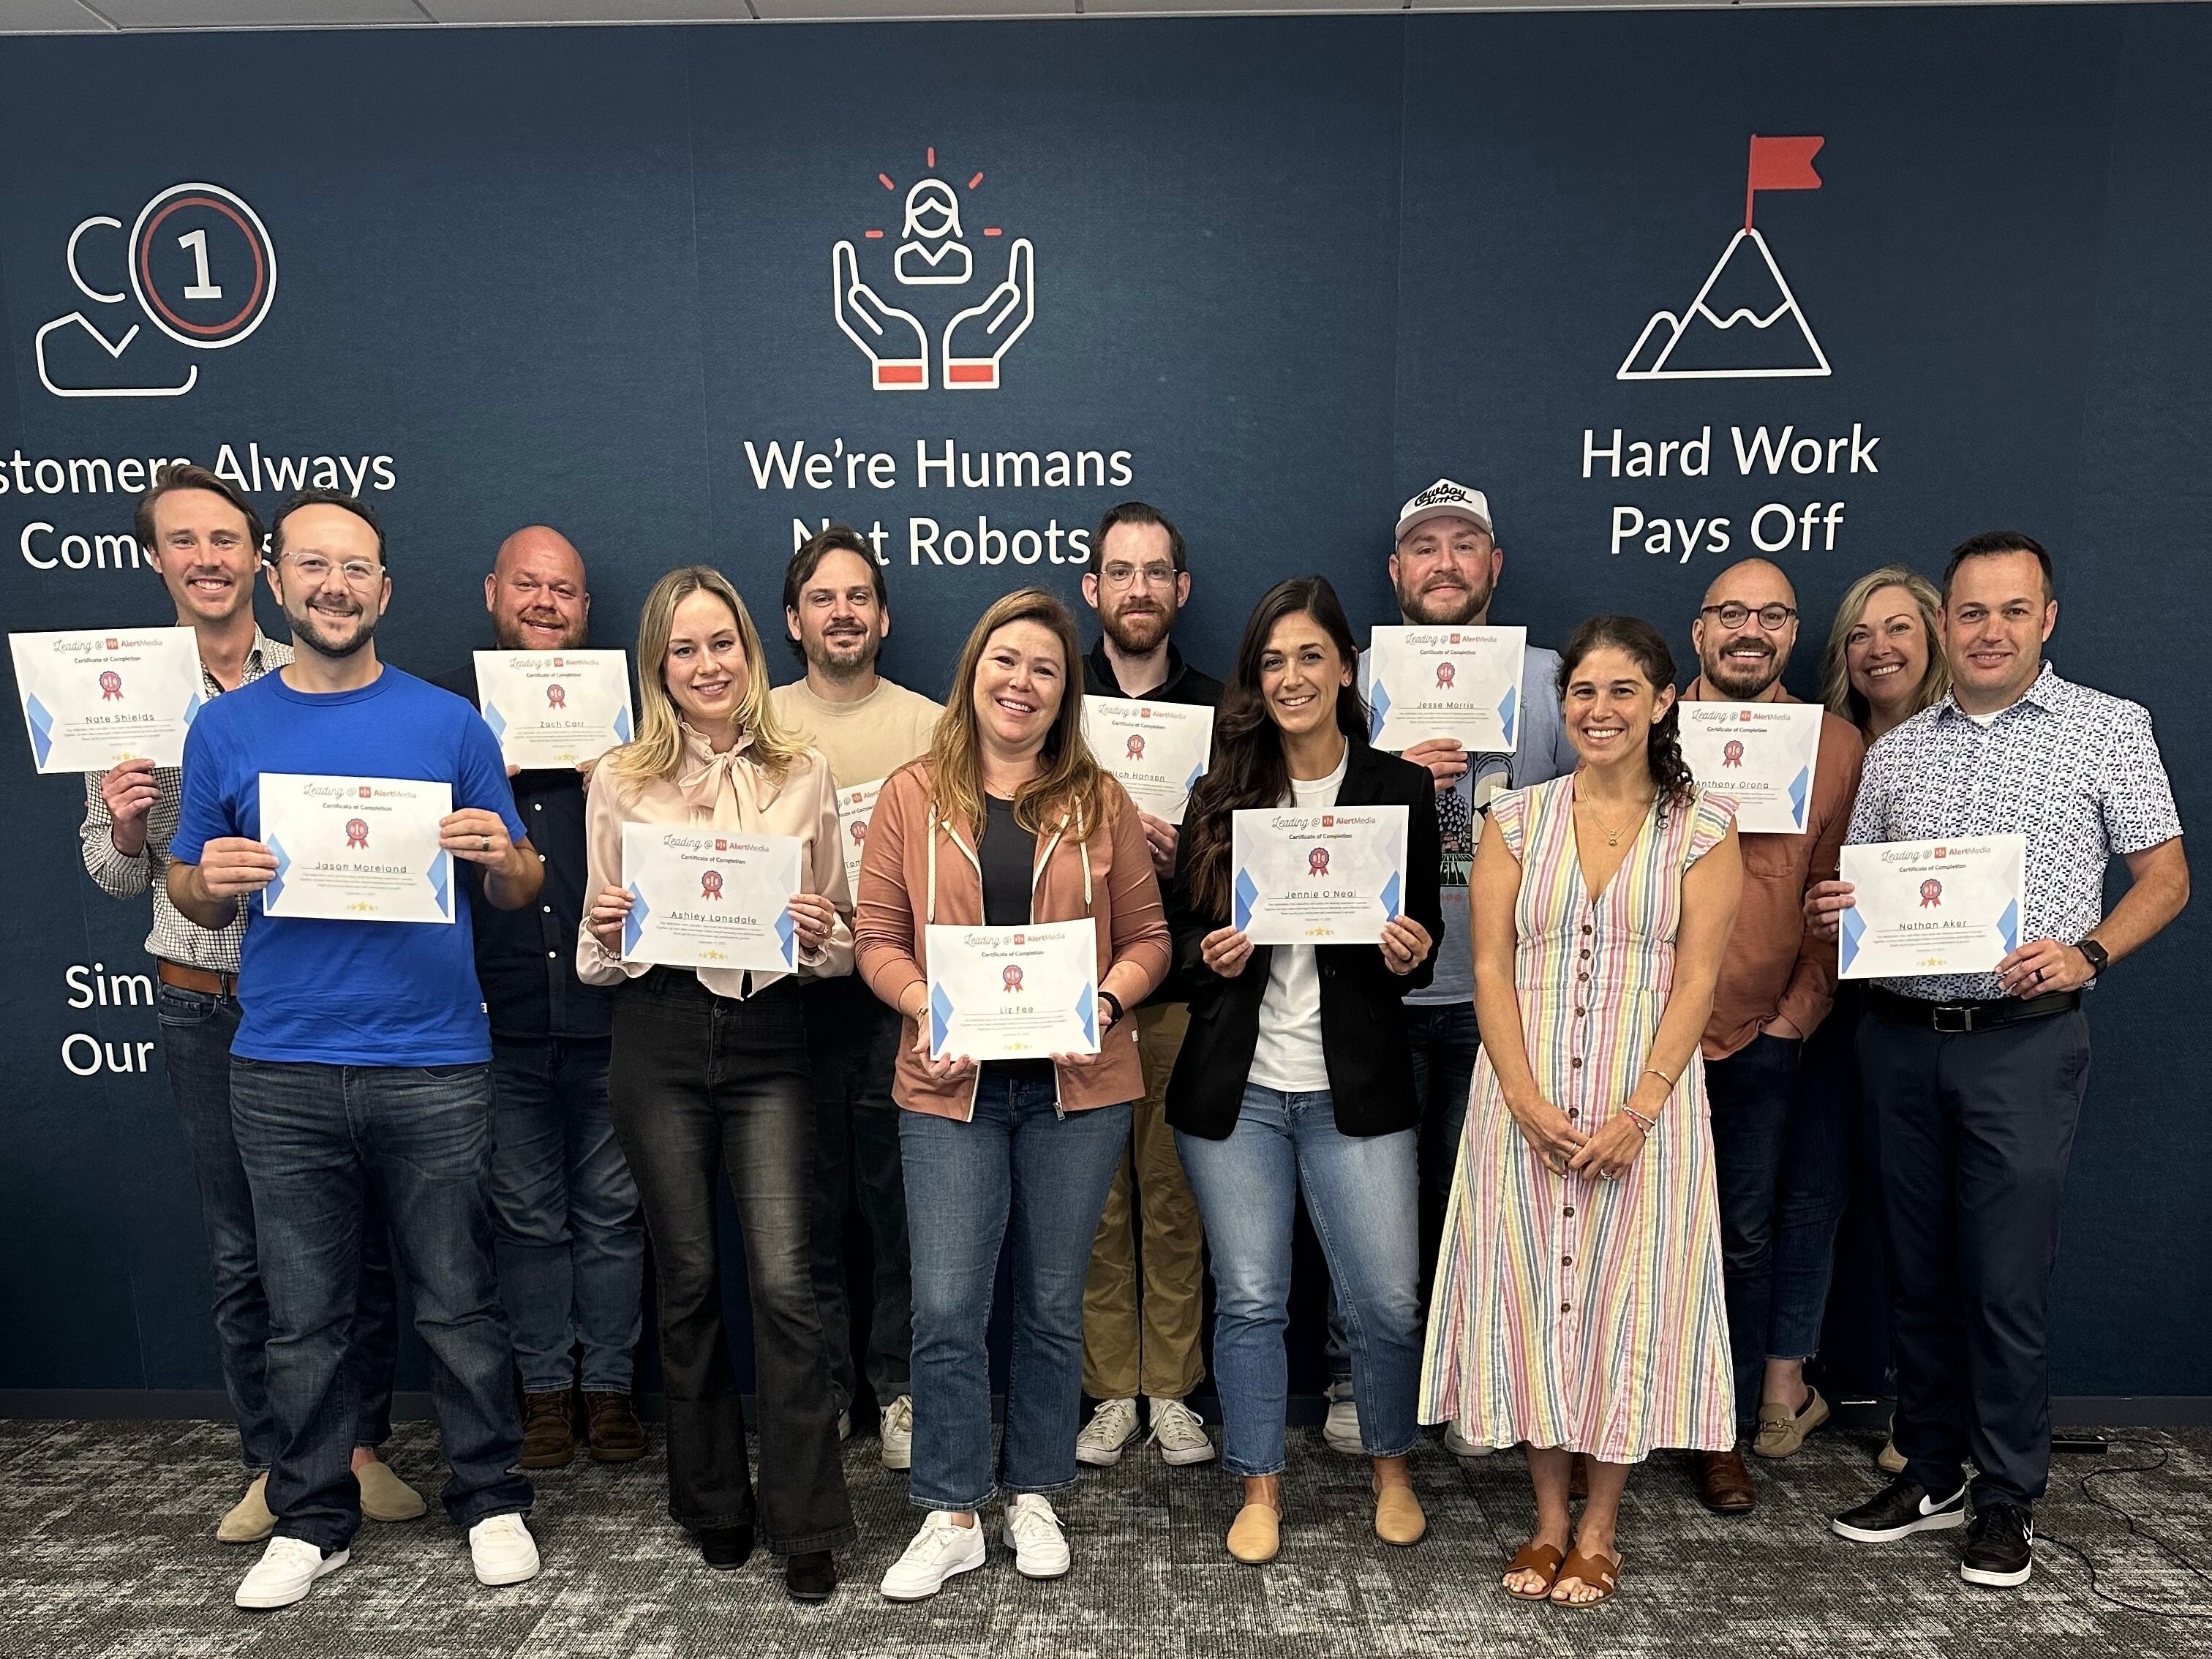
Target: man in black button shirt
(1137,583)
(569,1236)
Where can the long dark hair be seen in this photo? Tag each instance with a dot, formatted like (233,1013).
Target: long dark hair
(1249,769)
(1647,647)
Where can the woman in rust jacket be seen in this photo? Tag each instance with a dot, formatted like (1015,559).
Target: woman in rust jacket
(1007,822)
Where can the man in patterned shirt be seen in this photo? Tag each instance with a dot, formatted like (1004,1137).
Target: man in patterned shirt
(204,539)
(1975,1081)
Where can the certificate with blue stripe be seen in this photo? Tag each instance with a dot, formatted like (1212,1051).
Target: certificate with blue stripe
(1025,993)
(1760,755)
(1332,876)
(356,849)
(707,898)
(1458,683)
(1931,907)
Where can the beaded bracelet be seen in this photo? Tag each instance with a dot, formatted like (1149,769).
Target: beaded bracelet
(1648,1124)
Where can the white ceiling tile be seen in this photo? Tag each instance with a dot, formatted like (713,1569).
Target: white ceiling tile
(586,11)
(791,11)
(45,17)
(1199,7)
(255,14)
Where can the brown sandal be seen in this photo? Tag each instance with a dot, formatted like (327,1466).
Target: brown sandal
(1545,1558)
(1592,1570)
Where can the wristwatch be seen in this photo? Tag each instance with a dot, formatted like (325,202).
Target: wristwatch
(1115,1003)
(2100,957)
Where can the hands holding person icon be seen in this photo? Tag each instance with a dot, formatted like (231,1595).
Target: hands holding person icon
(975,340)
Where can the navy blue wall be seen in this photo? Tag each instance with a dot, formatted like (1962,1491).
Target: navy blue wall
(1286,273)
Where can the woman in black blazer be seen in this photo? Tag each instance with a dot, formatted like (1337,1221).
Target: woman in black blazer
(1296,1074)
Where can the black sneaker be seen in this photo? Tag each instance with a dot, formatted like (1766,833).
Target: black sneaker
(2000,1546)
(1900,1510)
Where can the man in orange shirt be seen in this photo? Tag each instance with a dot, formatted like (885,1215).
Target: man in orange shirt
(1776,984)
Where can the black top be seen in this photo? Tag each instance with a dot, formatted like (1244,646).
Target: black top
(526,958)
(1183,683)
(1008,855)
(1363,1021)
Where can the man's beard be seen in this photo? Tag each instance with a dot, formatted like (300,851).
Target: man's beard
(1141,634)
(510,637)
(1441,609)
(306,629)
(819,658)
(1744,682)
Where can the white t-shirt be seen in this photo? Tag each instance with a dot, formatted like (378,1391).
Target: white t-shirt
(1289,1055)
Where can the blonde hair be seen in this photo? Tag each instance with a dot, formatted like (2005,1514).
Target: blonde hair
(1071,785)
(658,749)
(1836,688)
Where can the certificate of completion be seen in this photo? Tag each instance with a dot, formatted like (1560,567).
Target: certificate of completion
(1761,754)
(1334,877)
(1158,751)
(855,806)
(1931,907)
(555,708)
(1462,682)
(1013,992)
(356,850)
(705,898)
(93,699)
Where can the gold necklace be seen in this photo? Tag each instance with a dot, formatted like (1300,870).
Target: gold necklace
(1611,835)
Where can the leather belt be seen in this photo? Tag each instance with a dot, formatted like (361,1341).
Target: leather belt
(197,979)
(1956,1018)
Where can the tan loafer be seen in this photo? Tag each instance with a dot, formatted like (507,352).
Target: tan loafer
(1782,1431)
(1398,1518)
(384,1496)
(1256,1535)
(248,1520)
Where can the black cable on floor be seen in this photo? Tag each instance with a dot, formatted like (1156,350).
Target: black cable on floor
(2162,1456)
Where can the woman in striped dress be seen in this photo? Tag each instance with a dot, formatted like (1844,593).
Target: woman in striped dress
(1578,1306)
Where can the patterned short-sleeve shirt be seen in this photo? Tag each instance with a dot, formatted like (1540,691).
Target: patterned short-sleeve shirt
(2076,771)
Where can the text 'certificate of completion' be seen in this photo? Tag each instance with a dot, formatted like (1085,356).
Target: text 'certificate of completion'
(1158,751)
(1461,683)
(356,850)
(1931,907)
(1013,992)
(555,708)
(1760,754)
(705,898)
(1334,877)
(855,806)
(93,699)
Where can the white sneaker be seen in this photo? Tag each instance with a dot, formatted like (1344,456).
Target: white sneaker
(898,1433)
(1033,1535)
(1460,1446)
(285,1570)
(940,1551)
(1339,1430)
(1179,1434)
(503,1551)
(1107,1434)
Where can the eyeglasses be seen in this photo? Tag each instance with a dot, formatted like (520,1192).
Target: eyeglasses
(1123,575)
(314,569)
(1772,618)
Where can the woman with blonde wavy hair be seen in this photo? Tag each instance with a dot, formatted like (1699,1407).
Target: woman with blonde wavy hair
(708,1074)
(1885,662)
(1007,822)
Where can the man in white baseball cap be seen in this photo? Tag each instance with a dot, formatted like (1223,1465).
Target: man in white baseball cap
(1444,566)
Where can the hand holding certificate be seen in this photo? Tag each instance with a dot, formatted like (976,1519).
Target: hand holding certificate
(1158,751)
(1335,877)
(93,699)
(705,898)
(1463,684)
(1026,993)
(555,708)
(1761,755)
(1929,907)
(356,850)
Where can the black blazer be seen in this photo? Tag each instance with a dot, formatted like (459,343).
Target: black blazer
(1363,1020)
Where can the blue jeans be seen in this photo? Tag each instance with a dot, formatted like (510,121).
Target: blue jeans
(1815,1191)
(197,1027)
(1361,1192)
(316,1141)
(564,1209)
(1752,1091)
(1018,1172)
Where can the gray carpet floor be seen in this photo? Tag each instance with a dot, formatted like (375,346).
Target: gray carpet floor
(107,1548)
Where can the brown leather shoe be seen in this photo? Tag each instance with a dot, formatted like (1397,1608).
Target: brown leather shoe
(548,1430)
(1724,1483)
(615,1435)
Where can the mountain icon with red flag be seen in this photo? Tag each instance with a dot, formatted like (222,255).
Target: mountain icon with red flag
(1745,323)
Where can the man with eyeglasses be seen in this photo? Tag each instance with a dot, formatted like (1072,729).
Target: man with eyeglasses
(1784,1168)
(360,1068)
(1138,581)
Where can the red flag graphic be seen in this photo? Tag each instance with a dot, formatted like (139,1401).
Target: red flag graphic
(1780,164)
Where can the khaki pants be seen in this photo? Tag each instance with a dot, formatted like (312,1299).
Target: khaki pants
(1125,1353)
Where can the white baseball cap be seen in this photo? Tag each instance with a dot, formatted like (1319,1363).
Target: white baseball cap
(1444,499)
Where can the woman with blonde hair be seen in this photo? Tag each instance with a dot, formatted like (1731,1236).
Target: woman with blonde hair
(709,1071)
(1006,822)
(1884,660)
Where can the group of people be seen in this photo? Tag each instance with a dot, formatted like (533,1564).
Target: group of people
(1575,1133)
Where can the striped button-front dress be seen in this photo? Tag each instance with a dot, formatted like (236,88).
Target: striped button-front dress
(1572,1311)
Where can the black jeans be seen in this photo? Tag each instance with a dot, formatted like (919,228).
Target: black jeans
(700,1085)
(316,1140)
(1974,1132)
(852,1043)
(1751,1092)
(197,1027)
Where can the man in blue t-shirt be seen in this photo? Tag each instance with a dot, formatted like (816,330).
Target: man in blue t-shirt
(361,1058)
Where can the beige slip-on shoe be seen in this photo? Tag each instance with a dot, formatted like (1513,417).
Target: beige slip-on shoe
(1256,1535)
(384,1496)
(1782,1431)
(248,1520)
(1398,1518)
